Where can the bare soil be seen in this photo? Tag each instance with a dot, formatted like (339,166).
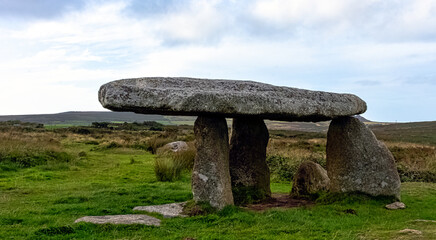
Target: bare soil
(279,201)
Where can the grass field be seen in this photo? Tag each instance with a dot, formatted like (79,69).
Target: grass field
(109,173)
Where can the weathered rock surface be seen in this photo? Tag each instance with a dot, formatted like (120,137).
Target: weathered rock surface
(211,176)
(167,210)
(310,179)
(121,219)
(411,231)
(229,98)
(358,162)
(424,220)
(176,146)
(395,206)
(248,169)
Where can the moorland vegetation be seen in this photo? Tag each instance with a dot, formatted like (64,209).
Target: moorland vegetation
(51,176)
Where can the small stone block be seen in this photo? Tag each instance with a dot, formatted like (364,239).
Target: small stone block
(121,219)
(396,205)
(167,210)
(411,231)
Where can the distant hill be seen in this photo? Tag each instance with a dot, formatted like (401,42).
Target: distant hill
(83,118)
(86,118)
(415,132)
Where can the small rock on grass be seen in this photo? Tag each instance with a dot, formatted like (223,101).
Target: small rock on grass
(424,220)
(167,210)
(396,205)
(121,219)
(412,231)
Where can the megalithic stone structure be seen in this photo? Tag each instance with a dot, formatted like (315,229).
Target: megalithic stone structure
(215,99)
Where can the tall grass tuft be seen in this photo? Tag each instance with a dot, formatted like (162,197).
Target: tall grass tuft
(156,142)
(170,165)
(166,169)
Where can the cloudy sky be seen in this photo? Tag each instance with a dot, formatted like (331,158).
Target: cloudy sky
(54,55)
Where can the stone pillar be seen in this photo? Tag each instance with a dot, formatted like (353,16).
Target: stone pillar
(248,169)
(358,162)
(210,176)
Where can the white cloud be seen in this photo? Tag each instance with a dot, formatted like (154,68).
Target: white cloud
(363,47)
(201,21)
(377,20)
(45,98)
(306,12)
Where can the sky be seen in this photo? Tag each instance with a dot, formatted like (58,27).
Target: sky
(54,55)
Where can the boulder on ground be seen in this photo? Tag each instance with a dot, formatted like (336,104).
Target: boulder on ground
(358,162)
(177,146)
(227,98)
(211,176)
(248,169)
(311,178)
(395,206)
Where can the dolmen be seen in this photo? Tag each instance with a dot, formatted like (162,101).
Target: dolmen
(228,172)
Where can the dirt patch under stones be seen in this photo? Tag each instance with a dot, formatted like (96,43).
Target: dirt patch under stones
(279,201)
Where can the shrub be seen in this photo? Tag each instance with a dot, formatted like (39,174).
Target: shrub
(281,168)
(80,130)
(112,145)
(92,142)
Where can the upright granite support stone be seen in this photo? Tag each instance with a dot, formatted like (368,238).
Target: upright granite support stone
(358,162)
(248,169)
(210,176)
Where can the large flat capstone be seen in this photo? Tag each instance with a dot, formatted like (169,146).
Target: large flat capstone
(227,98)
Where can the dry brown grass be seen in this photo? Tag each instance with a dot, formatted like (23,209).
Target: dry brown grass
(415,162)
(296,149)
(26,149)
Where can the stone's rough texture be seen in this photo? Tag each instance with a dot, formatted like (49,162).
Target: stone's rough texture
(396,205)
(176,146)
(229,98)
(411,231)
(210,176)
(248,169)
(121,219)
(358,162)
(167,210)
(424,220)
(310,179)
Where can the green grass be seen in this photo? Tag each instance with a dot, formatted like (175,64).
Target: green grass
(42,202)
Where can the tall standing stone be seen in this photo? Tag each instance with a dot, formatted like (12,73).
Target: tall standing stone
(248,169)
(358,162)
(210,176)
